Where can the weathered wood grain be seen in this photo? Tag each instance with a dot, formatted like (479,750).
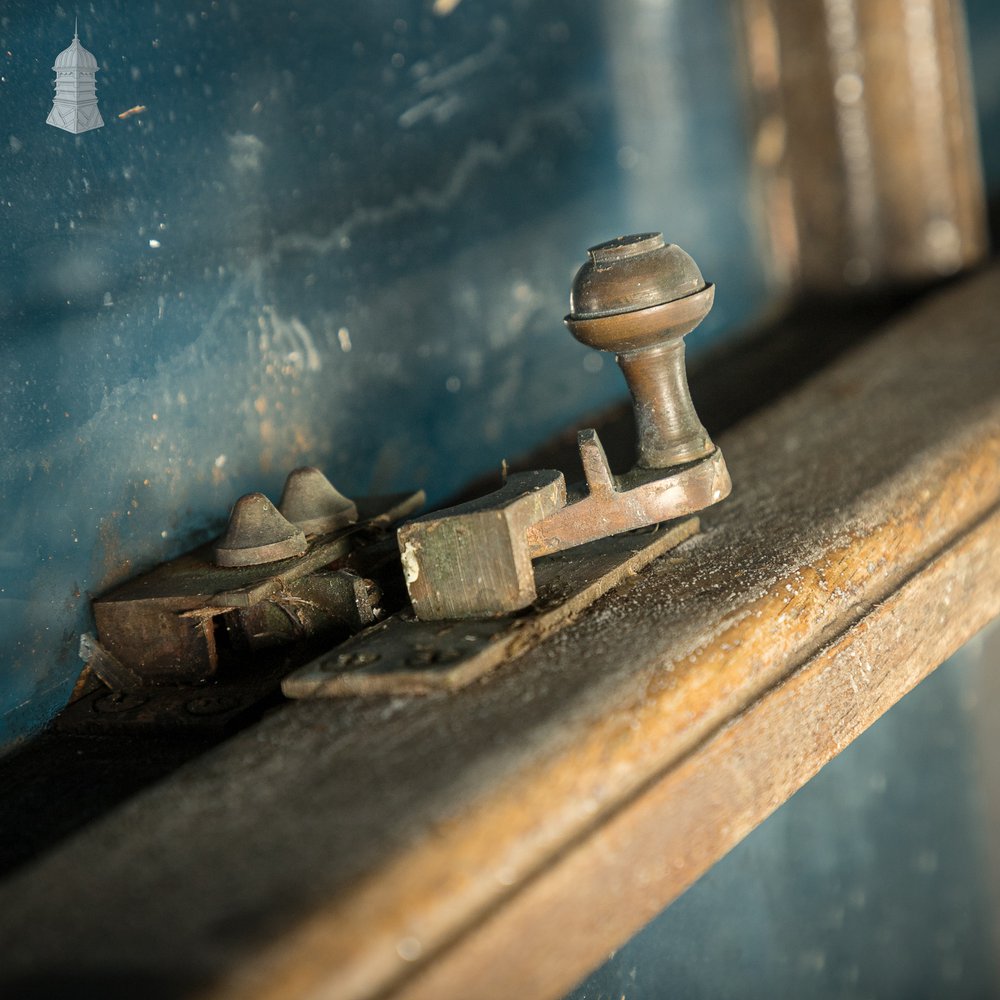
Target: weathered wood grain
(347,850)
(603,889)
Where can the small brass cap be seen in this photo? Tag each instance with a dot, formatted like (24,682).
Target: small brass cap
(311,502)
(630,273)
(258,534)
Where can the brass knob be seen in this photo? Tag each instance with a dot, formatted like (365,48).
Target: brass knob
(638,297)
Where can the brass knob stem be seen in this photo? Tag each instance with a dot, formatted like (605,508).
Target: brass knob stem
(668,431)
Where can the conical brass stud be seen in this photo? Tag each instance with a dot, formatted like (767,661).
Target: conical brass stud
(311,502)
(258,534)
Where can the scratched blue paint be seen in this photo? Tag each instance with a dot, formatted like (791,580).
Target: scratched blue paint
(341,234)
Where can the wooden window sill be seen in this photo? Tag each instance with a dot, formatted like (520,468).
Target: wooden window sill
(499,842)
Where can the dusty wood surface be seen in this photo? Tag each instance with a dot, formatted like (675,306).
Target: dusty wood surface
(674,829)
(359,850)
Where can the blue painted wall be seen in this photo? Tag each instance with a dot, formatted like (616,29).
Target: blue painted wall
(342,234)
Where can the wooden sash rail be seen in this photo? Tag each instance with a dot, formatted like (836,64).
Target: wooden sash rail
(500,841)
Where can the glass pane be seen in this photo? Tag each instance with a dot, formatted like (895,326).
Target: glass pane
(880,878)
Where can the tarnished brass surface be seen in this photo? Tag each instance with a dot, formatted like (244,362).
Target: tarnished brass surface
(632,272)
(166,627)
(313,504)
(614,504)
(650,353)
(258,534)
(474,560)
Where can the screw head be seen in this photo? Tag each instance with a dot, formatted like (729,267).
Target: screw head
(119,702)
(211,704)
(356,658)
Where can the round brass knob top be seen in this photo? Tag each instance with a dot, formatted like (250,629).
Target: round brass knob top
(630,273)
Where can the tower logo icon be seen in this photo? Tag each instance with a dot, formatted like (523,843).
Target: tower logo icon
(75,106)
